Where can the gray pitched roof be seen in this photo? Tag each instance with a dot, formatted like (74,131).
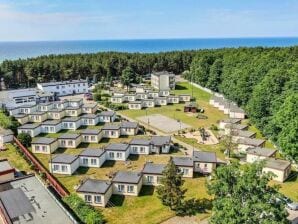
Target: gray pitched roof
(20,115)
(277,164)
(90,116)
(117,147)
(152,168)
(107,113)
(183,161)
(236,126)
(16,203)
(71,119)
(111,127)
(29,126)
(237,110)
(90,131)
(43,140)
(140,141)
(246,134)
(261,151)
(89,105)
(95,186)
(160,140)
(201,156)
(51,122)
(64,158)
(250,141)
(5,165)
(231,120)
(5,131)
(69,136)
(127,177)
(128,124)
(92,152)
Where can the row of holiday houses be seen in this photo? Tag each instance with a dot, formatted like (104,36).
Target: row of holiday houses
(148,98)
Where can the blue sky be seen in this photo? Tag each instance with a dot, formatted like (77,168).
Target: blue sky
(26,20)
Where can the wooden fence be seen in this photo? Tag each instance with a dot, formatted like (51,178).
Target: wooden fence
(51,179)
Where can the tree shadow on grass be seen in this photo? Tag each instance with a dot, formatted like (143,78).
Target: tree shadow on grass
(193,206)
(292,177)
(82,170)
(147,190)
(179,87)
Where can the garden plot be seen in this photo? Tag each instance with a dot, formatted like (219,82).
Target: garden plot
(163,123)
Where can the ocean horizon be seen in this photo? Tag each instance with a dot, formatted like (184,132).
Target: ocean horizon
(28,49)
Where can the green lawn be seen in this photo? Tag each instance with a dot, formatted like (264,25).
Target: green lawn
(15,159)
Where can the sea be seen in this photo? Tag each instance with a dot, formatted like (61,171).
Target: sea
(16,50)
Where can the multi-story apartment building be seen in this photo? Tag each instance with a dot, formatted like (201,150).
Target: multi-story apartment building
(163,80)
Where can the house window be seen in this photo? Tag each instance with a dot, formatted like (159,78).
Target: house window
(158,179)
(92,138)
(130,188)
(44,148)
(71,125)
(120,188)
(119,155)
(185,171)
(52,129)
(56,167)
(37,148)
(85,161)
(135,149)
(70,143)
(93,161)
(205,165)
(86,138)
(97,199)
(88,198)
(142,149)
(111,154)
(63,142)
(64,168)
(150,179)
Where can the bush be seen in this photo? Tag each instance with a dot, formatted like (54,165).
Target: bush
(201,116)
(214,127)
(97,96)
(85,212)
(25,139)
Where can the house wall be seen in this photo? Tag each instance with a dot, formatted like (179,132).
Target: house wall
(89,121)
(137,189)
(128,131)
(202,167)
(38,118)
(88,138)
(27,110)
(32,132)
(155,179)
(117,99)
(69,143)
(65,88)
(56,115)
(190,171)
(104,197)
(236,115)
(136,149)
(51,128)
(23,120)
(6,138)
(71,125)
(99,161)
(73,112)
(134,106)
(89,110)
(281,175)
(123,157)
(107,119)
(7,177)
(45,107)
(111,133)
(71,168)
(44,149)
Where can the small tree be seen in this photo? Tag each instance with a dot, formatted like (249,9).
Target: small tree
(170,191)
(127,76)
(25,139)
(228,144)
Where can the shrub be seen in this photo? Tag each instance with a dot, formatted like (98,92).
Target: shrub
(85,212)
(214,127)
(25,139)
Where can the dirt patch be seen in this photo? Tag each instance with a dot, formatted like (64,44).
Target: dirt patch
(210,140)
(163,123)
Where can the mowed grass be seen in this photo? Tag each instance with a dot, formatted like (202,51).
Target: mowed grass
(14,158)
(175,111)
